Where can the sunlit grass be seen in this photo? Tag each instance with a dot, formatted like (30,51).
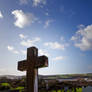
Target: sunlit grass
(20,89)
(5,84)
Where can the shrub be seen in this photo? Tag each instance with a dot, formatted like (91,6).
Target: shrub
(5,86)
(20,89)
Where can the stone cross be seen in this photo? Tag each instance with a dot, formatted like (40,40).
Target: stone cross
(31,65)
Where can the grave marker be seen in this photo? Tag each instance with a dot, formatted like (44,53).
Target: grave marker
(31,65)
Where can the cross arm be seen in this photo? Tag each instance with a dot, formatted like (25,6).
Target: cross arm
(22,65)
(41,62)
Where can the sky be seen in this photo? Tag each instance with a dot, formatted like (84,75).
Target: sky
(60,29)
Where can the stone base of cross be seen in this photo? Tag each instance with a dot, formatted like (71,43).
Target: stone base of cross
(31,65)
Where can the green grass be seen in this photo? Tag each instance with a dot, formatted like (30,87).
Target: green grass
(79,90)
(20,89)
(5,84)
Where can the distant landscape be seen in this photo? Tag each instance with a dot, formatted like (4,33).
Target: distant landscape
(10,83)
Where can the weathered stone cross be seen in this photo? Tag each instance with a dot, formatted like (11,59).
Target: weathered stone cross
(31,65)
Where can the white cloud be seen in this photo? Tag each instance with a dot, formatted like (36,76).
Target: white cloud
(26,43)
(23,52)
(12,49)
(22,36)
(55,45)
(16,52)
(29,42)
(81,26)
(47,23)
(1,15)
(23,19)
(38,2)
(23,2)
(83,38)
(43,52)
(58,58)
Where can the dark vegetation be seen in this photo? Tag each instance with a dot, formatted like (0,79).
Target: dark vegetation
(46,83)
(12,85)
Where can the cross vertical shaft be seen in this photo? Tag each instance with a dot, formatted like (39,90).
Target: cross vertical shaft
(32,54)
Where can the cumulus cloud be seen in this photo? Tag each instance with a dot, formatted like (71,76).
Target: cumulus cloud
(12,49)
(58,58)
(29,42)
(24,52)
(38,2)
(83,38)
(23,1)
(1,15)
(22,36)
(43,52)
(55,45)
(23,19)
(47,23)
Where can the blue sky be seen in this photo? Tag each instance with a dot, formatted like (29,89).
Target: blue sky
(60,29)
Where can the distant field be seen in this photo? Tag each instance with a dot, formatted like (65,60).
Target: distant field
(66,76)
